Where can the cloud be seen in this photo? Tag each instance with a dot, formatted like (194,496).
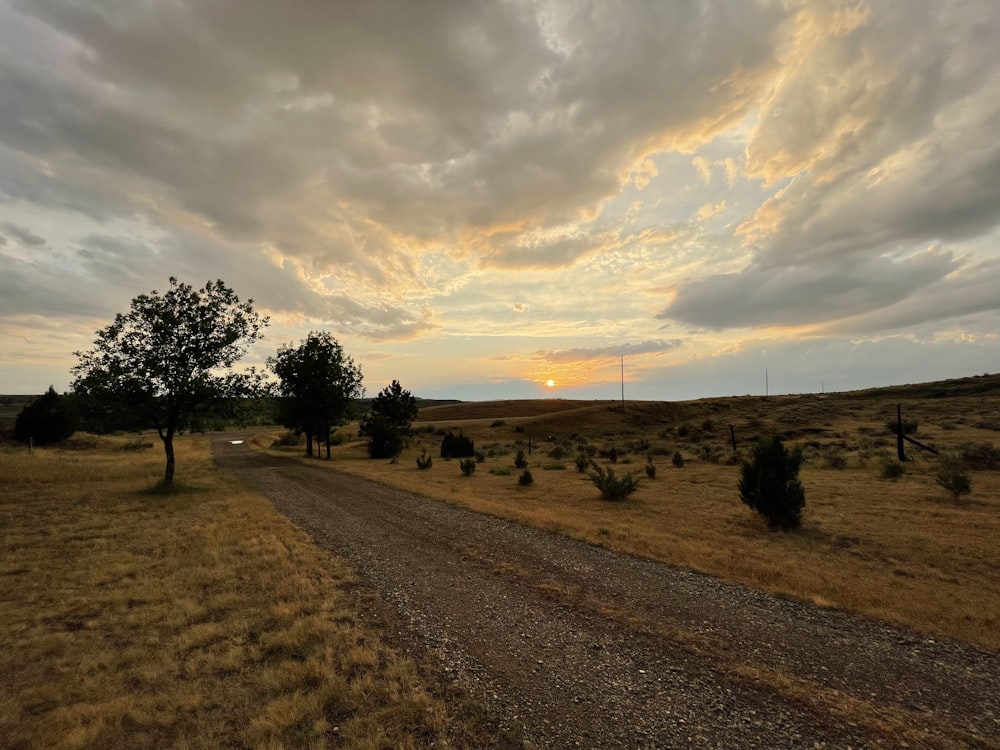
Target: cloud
(896,148)
(704,168)
(569,356)
(806,294)
(24,236)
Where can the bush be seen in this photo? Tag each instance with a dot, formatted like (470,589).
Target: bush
(424,461)
(520,460)
(650,470)
(468,466)
(525,479)
(457,446)
(613,488)
(288,439)
(909,427)
(385,440)
(497,423)
(984,456)
(501,471)
(582,462)
(890,468)
(678,460)
(953,478)
(480,456)
(834,459)
(558,452)
(769,483)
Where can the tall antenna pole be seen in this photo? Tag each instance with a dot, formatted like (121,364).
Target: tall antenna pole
(623,383)
(767,390)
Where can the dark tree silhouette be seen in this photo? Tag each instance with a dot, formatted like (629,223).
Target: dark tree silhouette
(769,483)
(48,419)
(169,361)
(317,383)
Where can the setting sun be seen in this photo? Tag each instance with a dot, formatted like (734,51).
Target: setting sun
(550,383)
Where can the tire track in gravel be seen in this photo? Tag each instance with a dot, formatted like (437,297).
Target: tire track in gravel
(588,648)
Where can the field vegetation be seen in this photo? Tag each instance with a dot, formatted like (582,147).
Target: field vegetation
(195,618)
(900,547)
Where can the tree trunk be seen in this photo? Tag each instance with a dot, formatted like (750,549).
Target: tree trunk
(309,444)
(168,449)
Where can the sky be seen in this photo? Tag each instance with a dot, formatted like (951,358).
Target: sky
(515,199)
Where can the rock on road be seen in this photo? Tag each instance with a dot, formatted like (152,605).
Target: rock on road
(582,647)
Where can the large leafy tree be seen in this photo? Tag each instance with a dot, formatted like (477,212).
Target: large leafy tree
(169,361)
(392,411)
(48,419)
(317,384)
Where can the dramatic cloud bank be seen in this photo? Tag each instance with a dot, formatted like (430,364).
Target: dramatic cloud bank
(477,197)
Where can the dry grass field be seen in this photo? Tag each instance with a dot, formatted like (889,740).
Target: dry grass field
(198,619)
(901,550)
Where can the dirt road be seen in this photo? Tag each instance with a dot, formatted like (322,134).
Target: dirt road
(587,648)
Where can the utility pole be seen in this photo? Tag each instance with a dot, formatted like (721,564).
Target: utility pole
(623,383)
(767,391)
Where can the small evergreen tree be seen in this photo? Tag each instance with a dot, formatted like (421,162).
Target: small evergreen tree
(48,419)
(769,483)
(385,440)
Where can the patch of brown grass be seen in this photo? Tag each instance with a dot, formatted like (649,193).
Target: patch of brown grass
(900,551)
(198,619)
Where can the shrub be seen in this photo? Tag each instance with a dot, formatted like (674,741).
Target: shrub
(613,455)
(613,488)
(834,459)
(497,423)
(288,439)
(650,470)
(582,462)
(678,460)
(769,483)
(501,471)
(558,452)
(468,466)
(480,457)
(890,468)
(457,446)
(520,460)
(424,461)
(909,427)
(980,456)
(710,453)
(953,478)
(525,479)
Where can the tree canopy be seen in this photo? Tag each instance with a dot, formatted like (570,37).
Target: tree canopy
(392,411)
(169,361)
(48,419)
(317,384)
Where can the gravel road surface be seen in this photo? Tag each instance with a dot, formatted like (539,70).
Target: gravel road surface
(579,647)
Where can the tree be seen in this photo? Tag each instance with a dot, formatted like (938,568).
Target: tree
(169,361)
(317,384)
(392,411)
(769,483)
(396,404)
(48,419)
